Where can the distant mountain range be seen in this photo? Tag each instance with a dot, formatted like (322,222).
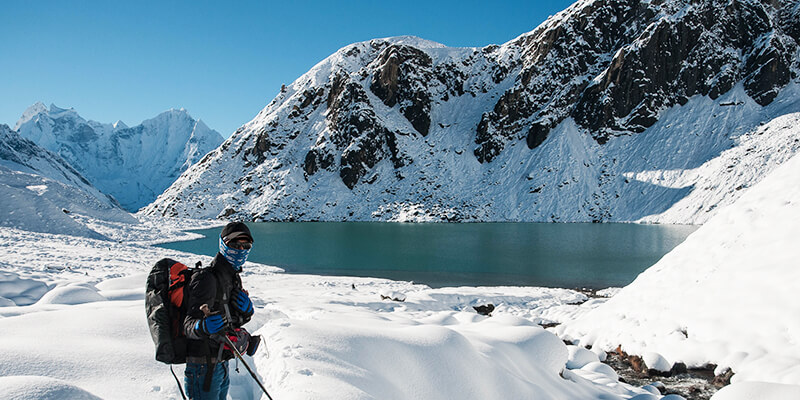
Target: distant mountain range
(132,164)
(41,192)
(613,110)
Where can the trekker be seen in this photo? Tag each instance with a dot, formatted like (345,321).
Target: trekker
(228,307)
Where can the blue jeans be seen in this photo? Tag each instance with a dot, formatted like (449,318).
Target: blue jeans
(195,376)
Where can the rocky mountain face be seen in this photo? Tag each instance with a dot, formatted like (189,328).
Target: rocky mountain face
(611,110)
(41,192)
(133,164)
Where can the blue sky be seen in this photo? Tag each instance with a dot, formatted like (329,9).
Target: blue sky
(222,61)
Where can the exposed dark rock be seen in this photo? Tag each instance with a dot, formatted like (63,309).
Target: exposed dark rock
(394,297)
(695,384)
(767,70)
(484,309)
(679,58)
(537,134)
(723,379)
(402,78)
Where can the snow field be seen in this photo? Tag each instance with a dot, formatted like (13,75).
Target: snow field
(726,296)
(86,332)
(73,322)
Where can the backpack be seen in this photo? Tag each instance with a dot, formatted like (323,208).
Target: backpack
(165,304)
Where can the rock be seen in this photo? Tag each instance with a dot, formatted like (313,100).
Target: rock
(485,309)
(723,379)
(393,296)
(678,368)
(637,363)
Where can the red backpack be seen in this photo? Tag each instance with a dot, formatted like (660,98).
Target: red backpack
(165,301)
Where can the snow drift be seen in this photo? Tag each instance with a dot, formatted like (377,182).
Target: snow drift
(726,296)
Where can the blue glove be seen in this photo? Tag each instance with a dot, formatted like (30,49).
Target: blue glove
(243,303)
(210,325)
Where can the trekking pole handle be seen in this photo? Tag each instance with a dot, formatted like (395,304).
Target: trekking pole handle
(206,311)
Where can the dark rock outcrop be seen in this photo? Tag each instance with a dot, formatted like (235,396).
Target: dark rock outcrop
(402,78)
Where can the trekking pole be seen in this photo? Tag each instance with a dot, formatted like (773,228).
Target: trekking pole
(204,308)
(239,356)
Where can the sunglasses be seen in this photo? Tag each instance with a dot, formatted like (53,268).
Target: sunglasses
(240,245)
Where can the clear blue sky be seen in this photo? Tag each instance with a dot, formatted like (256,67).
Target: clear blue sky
(222,61)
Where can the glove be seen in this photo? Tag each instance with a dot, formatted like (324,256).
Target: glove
(210,325)
(242,302)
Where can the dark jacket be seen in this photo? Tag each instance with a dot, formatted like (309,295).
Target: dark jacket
(215,286)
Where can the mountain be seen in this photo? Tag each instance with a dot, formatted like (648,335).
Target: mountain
(615,110)
(42,193)
(133,164)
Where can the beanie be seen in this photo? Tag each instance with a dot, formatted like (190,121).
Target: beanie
(235,230)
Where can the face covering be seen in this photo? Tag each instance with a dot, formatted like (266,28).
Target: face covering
(234,256)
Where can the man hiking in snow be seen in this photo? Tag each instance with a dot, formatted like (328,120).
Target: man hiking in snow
(217,305)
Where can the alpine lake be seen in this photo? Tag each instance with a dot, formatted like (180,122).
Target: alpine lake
(591,256)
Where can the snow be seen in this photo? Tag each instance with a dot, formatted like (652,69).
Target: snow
(578,357)
(758,390)
(80,302)
(656,361)
(697,158)
(132,164)
(726,296)
(19,292)
(71,295)
(38,387)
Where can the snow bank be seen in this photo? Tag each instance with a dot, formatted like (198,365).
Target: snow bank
(727,295)
(366,358)
(71,295)
(16,291)
(42,388)
(103,347)
(325,337)
(758,390)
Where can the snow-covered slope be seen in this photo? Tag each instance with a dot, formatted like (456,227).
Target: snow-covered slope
(132,164)
(727,295)
(619,110)
(81,302)
(42,193)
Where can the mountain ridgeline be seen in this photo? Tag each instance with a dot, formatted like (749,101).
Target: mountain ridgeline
(133,164)
(616,110)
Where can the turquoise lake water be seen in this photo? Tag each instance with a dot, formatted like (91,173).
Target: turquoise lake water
(474,254)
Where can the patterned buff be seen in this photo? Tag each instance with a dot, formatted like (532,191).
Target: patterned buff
(234,256)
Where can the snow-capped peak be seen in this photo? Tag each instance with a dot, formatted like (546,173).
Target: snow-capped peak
(32,111)
(132,164)
(58,112)
(413,41)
